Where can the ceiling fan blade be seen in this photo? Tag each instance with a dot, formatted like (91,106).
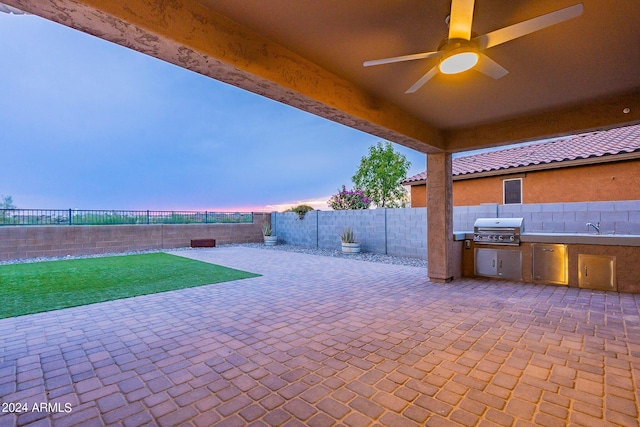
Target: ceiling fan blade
(461,19)
(523,28)
(401,58)
(491,68)
(417,85)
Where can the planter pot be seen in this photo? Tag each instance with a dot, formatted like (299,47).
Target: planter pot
(270,240)
(351,248)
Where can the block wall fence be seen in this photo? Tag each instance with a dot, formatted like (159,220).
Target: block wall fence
(403,232)
(20,242)
(398,232)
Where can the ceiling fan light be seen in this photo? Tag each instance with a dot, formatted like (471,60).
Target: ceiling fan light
(458,62)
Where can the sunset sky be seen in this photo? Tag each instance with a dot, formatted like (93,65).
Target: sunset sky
(88,124)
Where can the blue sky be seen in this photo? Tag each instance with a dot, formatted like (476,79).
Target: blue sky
(88,124)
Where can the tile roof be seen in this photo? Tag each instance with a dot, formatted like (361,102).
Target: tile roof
(588,145)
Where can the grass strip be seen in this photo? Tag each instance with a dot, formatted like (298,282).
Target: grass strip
(52,285)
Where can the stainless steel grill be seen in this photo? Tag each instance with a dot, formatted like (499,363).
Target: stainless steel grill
(498,231)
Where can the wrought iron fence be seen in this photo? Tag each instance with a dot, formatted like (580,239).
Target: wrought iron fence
(117,217)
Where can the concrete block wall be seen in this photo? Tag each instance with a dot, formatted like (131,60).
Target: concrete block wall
(620,217)
(20,242)
(293,230)
(180,235)
(403,232)
(400,232)
(367,224)
(465,216)
(407,232)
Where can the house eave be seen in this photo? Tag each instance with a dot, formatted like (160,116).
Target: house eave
(552,165)
(542,166)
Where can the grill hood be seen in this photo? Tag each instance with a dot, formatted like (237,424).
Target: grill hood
(499,223)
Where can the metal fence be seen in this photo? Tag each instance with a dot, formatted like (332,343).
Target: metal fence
(116,217)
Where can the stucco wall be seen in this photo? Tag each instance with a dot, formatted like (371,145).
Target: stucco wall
(419,196)
(19,242)
(593,183)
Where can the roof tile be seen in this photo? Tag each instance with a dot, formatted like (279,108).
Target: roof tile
(587,145)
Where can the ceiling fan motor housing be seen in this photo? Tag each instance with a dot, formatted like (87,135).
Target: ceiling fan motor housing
(457,55)
(447,45)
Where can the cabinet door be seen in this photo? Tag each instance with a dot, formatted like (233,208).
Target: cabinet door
(597,272)
(510,264)
(486,262)
(549,263)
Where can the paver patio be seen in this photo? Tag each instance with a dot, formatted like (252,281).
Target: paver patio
(322,341)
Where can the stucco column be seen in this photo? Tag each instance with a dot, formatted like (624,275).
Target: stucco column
(441,256)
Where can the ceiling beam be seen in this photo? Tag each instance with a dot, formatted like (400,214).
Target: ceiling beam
(186,33)
(601,114)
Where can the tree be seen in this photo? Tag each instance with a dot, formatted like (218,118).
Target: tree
(7,202)
(381,174)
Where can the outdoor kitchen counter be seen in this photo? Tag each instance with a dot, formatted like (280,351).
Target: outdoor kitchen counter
(625,249)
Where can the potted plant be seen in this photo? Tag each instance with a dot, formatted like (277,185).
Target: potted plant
(349,244)
(269,240)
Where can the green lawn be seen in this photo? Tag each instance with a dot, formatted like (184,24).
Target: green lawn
(45,286)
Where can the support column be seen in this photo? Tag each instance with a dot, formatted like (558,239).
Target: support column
(441,250)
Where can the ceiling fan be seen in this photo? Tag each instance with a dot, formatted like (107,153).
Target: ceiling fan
(459,52)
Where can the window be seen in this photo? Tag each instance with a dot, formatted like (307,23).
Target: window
(512,191)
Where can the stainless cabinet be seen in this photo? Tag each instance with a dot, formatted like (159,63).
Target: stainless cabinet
(506,264)
(486,262)
(597,272)
(549,263)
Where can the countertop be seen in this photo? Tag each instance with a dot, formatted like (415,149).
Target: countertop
(570,238)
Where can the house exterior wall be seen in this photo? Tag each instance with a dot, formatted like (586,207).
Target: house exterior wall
(419,196)
(590,183)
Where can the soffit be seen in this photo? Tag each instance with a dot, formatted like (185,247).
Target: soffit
(586,58)
(577,76)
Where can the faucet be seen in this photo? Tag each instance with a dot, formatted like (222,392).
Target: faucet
(595,226)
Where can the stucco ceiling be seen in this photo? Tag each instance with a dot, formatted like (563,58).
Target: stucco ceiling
(582,74)
(585,58)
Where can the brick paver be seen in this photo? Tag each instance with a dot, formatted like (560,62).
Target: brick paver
(324,341)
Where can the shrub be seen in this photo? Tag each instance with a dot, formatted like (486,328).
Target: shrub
(349,199)
(301,210)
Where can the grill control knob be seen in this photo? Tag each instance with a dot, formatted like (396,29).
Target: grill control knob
(512,238)
(501,238)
